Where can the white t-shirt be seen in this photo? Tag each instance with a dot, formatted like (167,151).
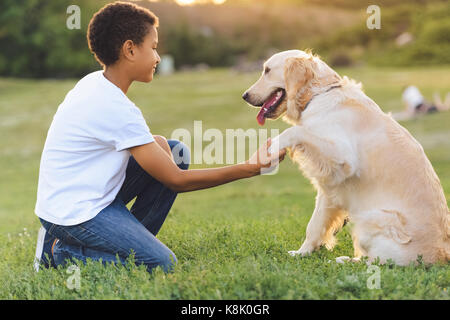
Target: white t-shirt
(85,155)
(412,97)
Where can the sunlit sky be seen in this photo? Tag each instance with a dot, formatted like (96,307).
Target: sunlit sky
(191,2)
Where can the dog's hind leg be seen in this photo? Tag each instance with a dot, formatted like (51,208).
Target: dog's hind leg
(358,252)
(382,234)
(326,220)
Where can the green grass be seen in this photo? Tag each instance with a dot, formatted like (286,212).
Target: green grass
(231,241)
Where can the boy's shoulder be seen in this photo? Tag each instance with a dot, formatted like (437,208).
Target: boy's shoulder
(94,87)
(90,81)
(95,97)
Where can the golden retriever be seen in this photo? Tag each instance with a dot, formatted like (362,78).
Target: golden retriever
(365,166)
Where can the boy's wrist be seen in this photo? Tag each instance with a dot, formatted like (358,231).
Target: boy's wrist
(252,169)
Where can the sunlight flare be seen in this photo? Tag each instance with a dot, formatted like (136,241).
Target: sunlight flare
(193,2)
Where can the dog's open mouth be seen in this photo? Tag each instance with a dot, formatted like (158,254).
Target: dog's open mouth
(270,105)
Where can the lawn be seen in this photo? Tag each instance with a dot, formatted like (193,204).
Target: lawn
(231,241)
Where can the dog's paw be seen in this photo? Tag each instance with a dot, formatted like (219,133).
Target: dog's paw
(294,253)
(274,145)
(272,149)
(306,249)
(300,252)
(344,259)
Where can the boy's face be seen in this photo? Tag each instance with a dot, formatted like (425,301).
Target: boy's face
(146,57)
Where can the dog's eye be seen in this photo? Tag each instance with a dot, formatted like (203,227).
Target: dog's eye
(266,70)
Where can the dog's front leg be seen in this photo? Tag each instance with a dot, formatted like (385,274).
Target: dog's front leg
(325,221)
(333,157)
(288,138)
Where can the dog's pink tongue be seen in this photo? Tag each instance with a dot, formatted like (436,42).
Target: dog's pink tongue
(260,117)
(264,108)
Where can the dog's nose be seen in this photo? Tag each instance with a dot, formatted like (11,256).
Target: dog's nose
(245,96)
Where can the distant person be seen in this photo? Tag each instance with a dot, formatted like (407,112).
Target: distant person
(99,154)
(416,105)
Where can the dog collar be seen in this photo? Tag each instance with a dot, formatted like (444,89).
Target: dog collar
(329,89)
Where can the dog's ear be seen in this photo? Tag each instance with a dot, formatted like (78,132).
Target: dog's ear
(298,75)
(298,72)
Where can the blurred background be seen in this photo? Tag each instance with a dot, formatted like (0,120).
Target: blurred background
(199,34)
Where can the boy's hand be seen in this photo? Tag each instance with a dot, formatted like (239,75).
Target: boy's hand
(263,159)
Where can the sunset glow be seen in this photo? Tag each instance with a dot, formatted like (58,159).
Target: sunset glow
(192,2)
(185,2)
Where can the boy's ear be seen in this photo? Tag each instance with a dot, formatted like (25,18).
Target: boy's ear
(127,50)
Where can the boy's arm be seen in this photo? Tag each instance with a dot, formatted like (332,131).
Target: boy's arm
(157,163)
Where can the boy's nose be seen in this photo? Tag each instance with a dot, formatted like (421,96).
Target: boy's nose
(158,60)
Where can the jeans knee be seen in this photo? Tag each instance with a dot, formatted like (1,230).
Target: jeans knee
(169,262)
(166,261)
(181,153)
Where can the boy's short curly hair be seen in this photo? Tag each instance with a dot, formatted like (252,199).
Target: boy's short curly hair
(115,23)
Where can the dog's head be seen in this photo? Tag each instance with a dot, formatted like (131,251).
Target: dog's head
(288,82)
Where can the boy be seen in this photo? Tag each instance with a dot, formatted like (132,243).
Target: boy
(99,154)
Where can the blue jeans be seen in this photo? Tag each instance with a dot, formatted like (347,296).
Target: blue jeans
(118,231)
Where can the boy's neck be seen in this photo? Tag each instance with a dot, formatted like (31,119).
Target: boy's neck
(117,76)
